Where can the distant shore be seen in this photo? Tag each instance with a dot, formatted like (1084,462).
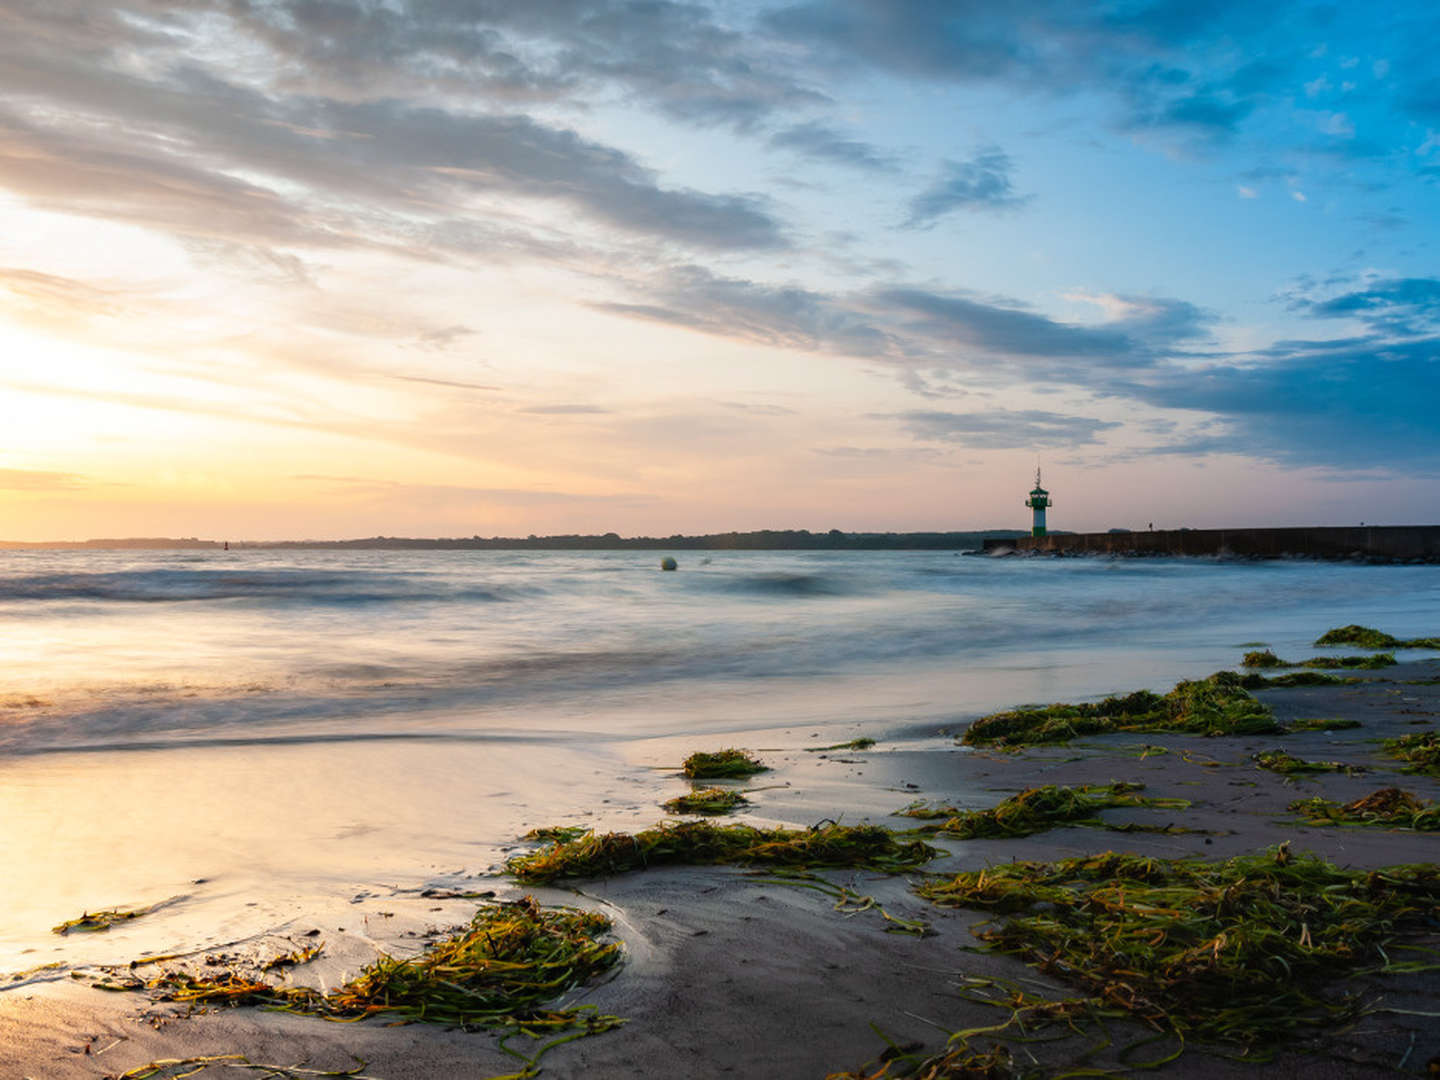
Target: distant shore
(758,540)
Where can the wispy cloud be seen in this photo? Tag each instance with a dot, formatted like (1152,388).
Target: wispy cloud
(981,183)
(1004,429)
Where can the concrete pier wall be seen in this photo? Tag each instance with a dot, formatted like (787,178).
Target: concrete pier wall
(1388,542)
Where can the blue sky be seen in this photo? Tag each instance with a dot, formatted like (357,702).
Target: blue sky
(275,268)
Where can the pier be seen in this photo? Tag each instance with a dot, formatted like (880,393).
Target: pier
(1382,543)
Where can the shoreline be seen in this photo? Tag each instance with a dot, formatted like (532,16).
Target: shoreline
(727,972)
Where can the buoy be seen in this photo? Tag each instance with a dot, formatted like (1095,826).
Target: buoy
(667,563)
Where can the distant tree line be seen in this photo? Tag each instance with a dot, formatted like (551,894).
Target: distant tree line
(760,540)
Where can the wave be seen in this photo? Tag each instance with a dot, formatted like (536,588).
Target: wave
(270,586)
(780,584)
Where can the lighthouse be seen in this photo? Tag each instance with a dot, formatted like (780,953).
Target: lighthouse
(1039,499)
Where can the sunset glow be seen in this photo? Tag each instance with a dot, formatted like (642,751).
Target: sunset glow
(278,270)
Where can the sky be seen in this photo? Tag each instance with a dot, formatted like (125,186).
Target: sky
(282,269)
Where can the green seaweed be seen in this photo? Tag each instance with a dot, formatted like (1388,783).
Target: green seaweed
(702,843)
(1366,637)
(1296,678)
(1278,761)
(721,765)
(557,832)
(1389,808)
(178,1068)
(926,810)
(1364,663)
(1246,951)
(864,742)
(500,973)
(1039,809)
(1265,659)
(1217,705)
(94,922)
(712,801)
(1420,752)
(1268,659)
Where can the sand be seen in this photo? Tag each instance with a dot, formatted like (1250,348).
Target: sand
(726,973)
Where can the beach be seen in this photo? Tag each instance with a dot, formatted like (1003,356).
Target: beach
(246,829)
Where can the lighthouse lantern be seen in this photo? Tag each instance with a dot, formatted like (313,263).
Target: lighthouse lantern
(1039,499)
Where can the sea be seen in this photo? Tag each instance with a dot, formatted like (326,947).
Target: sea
(265,732)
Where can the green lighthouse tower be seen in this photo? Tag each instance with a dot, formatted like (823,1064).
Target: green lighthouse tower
(1039,499)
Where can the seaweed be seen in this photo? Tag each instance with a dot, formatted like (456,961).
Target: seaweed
(711,800)
(1366,637)
(701,843)
(1389,808)
(847,901)
(177,1068)
(294,959)
(721,765)
(94,922)
(1246,951)
(1264,659)
(1268,659)
(926,810)
(557,832)
(864,742)
(1039,809)
(499,973)
(1420,751)
(1364,663)
(1217,705)
(1278,761)
(960,1062)
(1253,681)
(1363,637)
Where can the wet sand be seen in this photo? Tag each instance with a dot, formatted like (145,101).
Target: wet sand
(727,973)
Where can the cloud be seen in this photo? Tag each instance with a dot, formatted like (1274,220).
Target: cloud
(982,183)
(202,154)
(40,480)
(1400,307)
(826,144)
(565,410)
(446,494)
(1348,405)
(1004,429)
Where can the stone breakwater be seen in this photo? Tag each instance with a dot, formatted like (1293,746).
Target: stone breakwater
(1378,543)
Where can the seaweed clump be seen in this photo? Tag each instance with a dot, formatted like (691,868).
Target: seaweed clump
(1262,659)
(93,922)
(1253,681)
(1367,637)
(1268,659)
(701,843)
(1420,752)
(499,973)
(1363,637)
(721,765)
(1389,808)
(1278,761)
(958,1063)
(864,742)
(1242,951)
(1038,809)
(1217,705)
(711,800)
